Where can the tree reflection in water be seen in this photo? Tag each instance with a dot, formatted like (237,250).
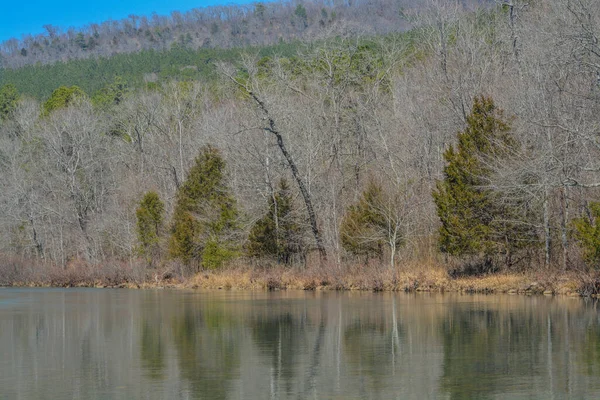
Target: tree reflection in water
(207,341)
(295,345)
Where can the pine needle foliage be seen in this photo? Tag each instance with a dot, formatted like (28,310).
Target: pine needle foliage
(474,221)
(150,215)
(204,225)
(587,233)
(362,222)
(61,98)
(111,95)
(277,234)
(9,97)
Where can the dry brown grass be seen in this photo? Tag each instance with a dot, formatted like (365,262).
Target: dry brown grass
(410,277)
(490,283)
(352,277)
(22,272)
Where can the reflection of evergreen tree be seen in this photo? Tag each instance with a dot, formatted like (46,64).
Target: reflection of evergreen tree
(152,350)
(484,347)
(208,350)
(279,337)
(368,345)
(591,352)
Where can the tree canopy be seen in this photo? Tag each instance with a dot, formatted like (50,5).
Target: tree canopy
(150,215)
(587,233)
(205,216)
(9,97)
(474,222)
(277,234)
(62,97)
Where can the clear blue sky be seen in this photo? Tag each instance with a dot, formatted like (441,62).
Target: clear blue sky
(22,17)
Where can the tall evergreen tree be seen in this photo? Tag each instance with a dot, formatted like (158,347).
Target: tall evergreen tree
(8,101)
(277,234)
(587,234)
(149,224)
(112,94)
(359,226)
(62,97)
(474,222)
(204,221)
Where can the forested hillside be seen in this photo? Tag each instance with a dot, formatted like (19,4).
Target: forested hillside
(469,142)
(137,70)
(143,49)
(228,26)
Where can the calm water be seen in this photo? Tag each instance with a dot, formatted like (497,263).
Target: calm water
(121,344)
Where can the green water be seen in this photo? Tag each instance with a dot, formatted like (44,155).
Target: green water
(159,344)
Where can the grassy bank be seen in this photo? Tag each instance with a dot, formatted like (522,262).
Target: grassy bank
(409,278)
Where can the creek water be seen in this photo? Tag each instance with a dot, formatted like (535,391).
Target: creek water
(176,344)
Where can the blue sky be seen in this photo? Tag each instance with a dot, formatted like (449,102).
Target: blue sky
(18,18)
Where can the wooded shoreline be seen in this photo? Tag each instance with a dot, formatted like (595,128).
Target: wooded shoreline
(459,156)
(410,279)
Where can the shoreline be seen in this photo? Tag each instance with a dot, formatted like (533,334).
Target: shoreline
(435,280)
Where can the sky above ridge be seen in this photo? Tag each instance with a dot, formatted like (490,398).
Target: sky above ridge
(28,17)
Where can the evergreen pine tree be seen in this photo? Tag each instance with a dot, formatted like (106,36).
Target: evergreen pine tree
(9,98)
(204,221)
(361,226)
(149,224)
(276,234)
(111,95)
(587,233)
(474,222)
(62,97)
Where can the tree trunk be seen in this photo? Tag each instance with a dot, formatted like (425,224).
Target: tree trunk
(39,248)
(288,157)
(564,224)
(305,195)
(548,240)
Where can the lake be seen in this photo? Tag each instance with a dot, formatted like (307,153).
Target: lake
(177,344)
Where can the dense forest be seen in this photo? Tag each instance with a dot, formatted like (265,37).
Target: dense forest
(141,69)
(223,26)
(186,45)
(470,141)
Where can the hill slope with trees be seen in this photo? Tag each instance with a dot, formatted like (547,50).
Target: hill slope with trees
(225,26)
(142,49)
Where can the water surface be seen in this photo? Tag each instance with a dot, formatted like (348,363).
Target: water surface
(160,344)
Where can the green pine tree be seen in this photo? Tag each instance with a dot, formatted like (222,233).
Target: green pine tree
(277,234)
(9,98)
(61,98)
(474,222)
(149,225)
(300,12)
(205,218)
(362,225)
(111,95)
(587,234)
